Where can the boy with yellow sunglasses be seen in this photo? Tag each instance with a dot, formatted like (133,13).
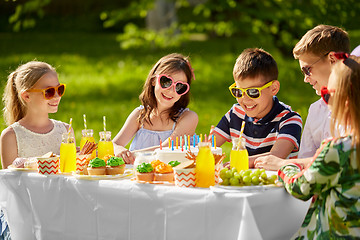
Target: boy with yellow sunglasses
(271,127)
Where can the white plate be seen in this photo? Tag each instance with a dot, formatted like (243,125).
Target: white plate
(13,168)
(127,173)
(252,188)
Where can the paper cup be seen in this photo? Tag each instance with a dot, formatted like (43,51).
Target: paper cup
(49,166)
(217,173)
(185,177)
(81,162)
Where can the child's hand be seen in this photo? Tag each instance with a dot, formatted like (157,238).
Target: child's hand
(269,162)
(126,155)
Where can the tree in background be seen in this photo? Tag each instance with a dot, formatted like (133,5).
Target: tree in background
(166,23)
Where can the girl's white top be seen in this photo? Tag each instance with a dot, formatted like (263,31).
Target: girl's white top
(145,138)
(31,144)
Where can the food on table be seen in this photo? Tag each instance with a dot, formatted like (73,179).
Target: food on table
(96,166)
(107,157)
(187,164)
(88,148)
(163,171)
(31,163)
(246,177)
(19,162)
(167,155)
(87,137)
(145,172)
(115,165)
(173,163)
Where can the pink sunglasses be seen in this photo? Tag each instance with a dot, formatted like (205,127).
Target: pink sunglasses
(166,82)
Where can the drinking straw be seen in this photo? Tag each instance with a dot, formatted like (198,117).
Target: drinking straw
(160,144)
(85,121)
(104,121)
(177,142)
(240,136)
(211,132)
(69,131)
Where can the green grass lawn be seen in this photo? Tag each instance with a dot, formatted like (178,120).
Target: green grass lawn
(103,80)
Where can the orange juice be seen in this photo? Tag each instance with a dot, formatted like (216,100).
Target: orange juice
(205,166)
(239,157)
(105,146)
(87,135)
(67,153)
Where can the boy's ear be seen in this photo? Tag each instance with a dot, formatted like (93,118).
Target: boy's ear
(25,96)
(275,87)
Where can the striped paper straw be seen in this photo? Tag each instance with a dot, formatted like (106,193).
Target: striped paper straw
(85,126)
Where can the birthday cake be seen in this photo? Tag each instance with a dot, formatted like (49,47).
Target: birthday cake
(167,155)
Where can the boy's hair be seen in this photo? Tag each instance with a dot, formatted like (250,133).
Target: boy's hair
(321,40)
(168,64)
(347,91)
(21,80)
(255,62)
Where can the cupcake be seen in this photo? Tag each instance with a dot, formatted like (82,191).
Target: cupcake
(96,166)
(115,165)
(164,172)
(145,172)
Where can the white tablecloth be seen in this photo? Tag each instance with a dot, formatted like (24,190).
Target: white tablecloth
(63,207)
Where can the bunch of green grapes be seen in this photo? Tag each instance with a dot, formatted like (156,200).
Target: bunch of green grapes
(246,177)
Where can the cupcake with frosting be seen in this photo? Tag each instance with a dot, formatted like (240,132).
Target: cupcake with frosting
(145,172)
(115,165)
(96,166)
(163,172)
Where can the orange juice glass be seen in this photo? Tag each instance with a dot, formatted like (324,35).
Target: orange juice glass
(239,158)
(105,146)
(205,166)
(67,153)
(87,135)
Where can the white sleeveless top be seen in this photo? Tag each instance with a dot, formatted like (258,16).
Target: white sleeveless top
(31,144)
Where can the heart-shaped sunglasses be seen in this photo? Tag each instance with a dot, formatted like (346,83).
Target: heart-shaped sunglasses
(167,82)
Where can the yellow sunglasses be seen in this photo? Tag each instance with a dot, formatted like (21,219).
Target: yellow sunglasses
(50,92)
(253,92)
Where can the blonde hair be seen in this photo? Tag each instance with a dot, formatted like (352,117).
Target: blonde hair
(322,39)
(20,80)
(346,99)
(254,62)
(171,63)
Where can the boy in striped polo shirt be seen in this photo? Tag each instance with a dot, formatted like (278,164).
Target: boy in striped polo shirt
(271,127)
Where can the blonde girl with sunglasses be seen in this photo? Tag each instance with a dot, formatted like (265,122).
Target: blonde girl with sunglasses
(332,178)
(32,92)
(163,113)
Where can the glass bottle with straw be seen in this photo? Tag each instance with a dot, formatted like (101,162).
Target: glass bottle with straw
(87,136)
(68,151)
(105,146)
(239,157)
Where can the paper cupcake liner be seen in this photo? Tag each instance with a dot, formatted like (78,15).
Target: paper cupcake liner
(48,166)
(185,177)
